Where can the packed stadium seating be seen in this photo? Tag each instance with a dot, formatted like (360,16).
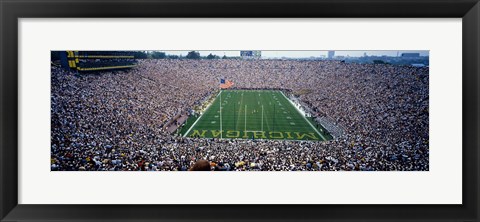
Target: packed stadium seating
(115,121)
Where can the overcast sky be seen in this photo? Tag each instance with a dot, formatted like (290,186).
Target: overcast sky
(303,54)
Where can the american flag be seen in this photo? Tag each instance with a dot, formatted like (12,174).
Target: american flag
(225,84)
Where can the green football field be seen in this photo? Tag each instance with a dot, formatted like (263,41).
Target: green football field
(253,114)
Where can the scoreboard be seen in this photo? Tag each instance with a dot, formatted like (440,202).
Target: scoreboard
(251,54)
(97,60)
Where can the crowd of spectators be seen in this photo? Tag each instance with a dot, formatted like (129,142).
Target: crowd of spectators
(115,120)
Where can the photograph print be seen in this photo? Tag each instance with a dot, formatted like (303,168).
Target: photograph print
(238,110)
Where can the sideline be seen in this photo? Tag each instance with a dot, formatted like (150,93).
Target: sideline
(324,139)
(191,127)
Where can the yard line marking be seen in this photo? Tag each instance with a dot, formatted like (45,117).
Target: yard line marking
(239,112)
(304,117)
(265,115)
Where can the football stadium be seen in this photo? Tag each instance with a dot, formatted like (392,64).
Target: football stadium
(243,111)
(255,114)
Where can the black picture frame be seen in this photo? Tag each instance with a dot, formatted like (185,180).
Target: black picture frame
(11,11)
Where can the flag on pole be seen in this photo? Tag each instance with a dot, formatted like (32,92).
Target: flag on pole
(225,84)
